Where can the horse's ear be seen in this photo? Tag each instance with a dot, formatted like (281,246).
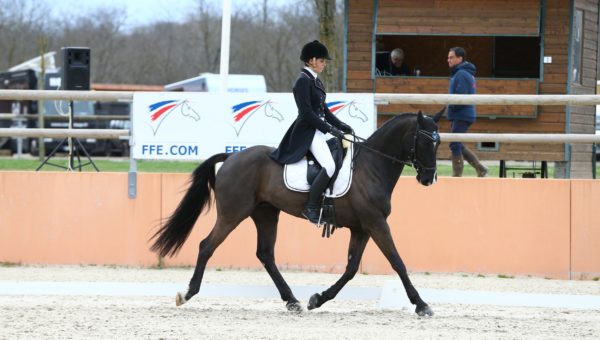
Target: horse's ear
(437,116)
(420,116)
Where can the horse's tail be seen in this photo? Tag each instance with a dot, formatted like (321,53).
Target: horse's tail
(172,235)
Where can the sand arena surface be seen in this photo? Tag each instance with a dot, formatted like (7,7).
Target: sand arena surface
(155,317)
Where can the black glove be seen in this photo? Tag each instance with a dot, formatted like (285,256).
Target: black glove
(336,133)
(346,128)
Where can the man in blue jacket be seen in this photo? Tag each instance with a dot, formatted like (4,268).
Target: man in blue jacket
(462,81)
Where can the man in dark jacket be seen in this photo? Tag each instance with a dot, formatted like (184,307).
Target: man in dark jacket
(462,81)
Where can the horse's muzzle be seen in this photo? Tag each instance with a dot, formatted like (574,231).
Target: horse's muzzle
(427,179)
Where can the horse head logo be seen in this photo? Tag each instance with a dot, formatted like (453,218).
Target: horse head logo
(243,111)
(353,110)
(161,110)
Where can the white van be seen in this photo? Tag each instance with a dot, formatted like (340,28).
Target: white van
(211,82)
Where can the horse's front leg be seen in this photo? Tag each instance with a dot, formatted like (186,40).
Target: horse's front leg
(382,236)
(358,242)
(265,218)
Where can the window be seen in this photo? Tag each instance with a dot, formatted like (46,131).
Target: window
(494,56)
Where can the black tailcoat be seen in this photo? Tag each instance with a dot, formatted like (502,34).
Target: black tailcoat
(309,94)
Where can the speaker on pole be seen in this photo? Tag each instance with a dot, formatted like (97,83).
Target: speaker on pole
(76,68)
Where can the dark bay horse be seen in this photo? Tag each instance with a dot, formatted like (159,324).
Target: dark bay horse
(250,184)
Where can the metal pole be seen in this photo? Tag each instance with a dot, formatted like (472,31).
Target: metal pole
(70,139)
(225,37)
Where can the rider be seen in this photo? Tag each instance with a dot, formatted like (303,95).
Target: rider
(312,128)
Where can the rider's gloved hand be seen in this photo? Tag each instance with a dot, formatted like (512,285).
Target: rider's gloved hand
(346,128)
(336,133)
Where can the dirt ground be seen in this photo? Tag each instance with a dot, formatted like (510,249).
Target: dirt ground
(156,317)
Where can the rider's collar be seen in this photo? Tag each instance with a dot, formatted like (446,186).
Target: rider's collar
(313,73)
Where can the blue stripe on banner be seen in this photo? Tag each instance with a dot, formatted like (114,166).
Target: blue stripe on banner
(159,104)
(242,105)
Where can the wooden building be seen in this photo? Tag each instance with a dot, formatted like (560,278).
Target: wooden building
(518,47)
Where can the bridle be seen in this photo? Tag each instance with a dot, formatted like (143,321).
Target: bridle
(434,137)
(413,161)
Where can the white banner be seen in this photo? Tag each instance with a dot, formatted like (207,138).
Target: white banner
(197,125)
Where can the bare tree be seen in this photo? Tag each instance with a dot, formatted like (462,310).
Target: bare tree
(21,23)
(101,32)
(266,38)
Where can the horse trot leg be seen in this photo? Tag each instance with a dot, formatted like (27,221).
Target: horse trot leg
(265,217)
(356,247)
(206,249)
(383,238)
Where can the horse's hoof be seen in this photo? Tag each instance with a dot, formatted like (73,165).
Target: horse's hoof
(314,301)
(294,307)
(424,311)
(180,299)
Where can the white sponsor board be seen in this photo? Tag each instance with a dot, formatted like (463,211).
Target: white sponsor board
(193,126)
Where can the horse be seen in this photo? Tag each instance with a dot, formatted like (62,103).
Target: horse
(250,184)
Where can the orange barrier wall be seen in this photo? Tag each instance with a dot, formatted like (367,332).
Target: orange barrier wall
(546,228)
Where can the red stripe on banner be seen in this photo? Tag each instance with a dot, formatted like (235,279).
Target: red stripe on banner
(158,113)
(244,112)
(335,108)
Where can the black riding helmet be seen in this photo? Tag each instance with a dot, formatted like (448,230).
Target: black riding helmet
(314,49)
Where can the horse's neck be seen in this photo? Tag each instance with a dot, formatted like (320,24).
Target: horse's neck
(390,142)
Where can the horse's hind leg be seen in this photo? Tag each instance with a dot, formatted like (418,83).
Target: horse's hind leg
(207,247)
(266,217)
(383,238)
(358,242)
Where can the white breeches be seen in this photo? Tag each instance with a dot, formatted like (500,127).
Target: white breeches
(321,151)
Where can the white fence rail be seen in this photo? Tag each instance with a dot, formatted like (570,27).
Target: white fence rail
(520,138)
(63,133)
(487,99)
(380,98)
(102,96)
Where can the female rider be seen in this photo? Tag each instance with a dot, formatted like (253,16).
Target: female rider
(312,128)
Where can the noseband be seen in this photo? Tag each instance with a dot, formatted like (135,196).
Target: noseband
(434,137)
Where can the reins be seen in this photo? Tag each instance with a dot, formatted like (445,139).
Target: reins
(413,162)
(362,143)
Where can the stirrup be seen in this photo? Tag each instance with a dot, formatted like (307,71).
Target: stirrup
(308,211)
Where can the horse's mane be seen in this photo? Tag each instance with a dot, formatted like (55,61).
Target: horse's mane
(391,123)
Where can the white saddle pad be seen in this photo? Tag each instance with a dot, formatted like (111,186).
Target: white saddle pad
(294,175)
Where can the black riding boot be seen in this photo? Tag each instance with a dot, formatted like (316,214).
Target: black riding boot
(313,205)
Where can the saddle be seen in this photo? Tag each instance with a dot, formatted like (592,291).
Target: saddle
(300,175)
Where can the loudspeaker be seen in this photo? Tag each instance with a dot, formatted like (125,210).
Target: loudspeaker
(75,68)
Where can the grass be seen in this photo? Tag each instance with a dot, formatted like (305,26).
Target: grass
(122,165)
(103,164)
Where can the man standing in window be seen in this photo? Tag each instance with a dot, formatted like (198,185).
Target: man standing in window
(462,81)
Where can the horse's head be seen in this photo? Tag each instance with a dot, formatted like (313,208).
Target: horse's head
(424,150)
